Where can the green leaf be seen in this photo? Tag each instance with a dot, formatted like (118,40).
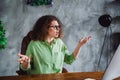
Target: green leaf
(3,40)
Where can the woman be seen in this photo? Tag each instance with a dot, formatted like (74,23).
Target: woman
(46,53)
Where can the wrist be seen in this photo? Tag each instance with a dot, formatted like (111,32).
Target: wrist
(25,66)
(79,44)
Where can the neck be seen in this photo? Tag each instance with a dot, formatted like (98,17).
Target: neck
(49,39)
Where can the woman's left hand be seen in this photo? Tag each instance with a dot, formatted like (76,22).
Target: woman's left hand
(83,41)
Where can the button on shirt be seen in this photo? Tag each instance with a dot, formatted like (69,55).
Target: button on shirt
(46,58)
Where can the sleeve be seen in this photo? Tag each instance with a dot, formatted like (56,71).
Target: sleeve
(69,58)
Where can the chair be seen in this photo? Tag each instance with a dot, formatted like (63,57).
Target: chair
(24,45)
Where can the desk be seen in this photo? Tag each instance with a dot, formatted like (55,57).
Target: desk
(60,76)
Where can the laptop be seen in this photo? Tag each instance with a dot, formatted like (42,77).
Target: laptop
(113,69)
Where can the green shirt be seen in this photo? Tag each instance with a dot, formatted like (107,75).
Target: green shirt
(46,58)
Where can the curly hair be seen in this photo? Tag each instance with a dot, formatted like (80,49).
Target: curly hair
(41,27)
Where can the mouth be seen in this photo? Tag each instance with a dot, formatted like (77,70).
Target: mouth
(57,33)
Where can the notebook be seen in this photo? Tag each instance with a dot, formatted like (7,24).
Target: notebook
(113,69)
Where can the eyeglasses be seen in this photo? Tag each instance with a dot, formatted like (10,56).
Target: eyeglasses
(55,27)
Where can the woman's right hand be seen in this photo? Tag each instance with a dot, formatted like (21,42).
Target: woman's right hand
(24,60)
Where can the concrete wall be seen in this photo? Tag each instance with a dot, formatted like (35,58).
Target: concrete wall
(80,19)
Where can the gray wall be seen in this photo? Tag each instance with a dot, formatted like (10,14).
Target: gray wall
(80,19)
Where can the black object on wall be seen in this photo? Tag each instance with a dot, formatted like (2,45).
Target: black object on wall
(105,20)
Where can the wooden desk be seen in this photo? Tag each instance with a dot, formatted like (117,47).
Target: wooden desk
(60,76)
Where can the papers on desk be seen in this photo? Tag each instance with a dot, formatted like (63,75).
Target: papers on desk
(89,79)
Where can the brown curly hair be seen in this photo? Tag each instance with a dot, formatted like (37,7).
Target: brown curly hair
(41,27)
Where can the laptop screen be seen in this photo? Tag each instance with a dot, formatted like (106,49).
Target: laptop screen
(113,69)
